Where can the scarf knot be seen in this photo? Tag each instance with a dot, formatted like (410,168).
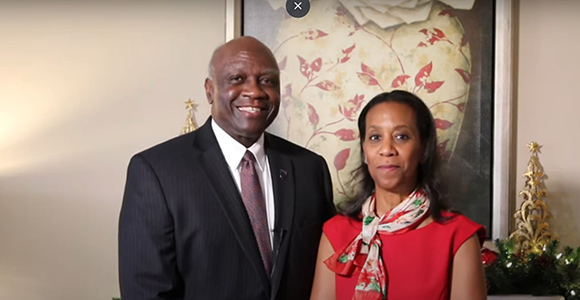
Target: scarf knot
(364,251)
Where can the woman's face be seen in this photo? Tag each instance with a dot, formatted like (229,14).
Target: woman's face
(392,147)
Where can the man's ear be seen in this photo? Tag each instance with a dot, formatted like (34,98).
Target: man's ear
(209,91)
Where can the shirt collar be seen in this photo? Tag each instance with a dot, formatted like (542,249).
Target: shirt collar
(233,151)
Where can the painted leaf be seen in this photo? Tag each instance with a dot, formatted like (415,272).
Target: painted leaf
(344,59)
(421,44)
(316,64)
(327,85)
(367,69)
(312,115)
(357,100)
(447,12)
(442,147)
(314,34)
(349,49)
(346,134)
(400,80)
(321,33)
(433,39)
(424,31)
(367,79)
(347,113)
(438,33)
(423,73)
(351,107)
(301,60)
(340,159)
(433,86)
(465,75)
(442,124)
(304,67)
(461,107)
(282,64)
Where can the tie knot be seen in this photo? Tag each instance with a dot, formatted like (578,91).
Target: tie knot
(248,157)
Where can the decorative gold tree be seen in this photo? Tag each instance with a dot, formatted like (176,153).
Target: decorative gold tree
(189,122)
(532,232)
(529,261)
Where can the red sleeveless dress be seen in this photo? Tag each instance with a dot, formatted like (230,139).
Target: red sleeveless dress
(418,262)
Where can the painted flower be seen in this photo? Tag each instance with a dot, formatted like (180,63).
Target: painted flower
(389,13)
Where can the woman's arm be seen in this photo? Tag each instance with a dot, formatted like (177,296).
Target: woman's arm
(323,287)
(467,277)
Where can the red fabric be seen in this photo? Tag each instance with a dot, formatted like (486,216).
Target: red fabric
(418,262)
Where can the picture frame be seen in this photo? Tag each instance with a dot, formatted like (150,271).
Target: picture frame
(502,190)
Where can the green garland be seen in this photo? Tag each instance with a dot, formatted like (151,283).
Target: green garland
(548,273)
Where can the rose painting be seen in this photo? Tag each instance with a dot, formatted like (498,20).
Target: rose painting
(344,52)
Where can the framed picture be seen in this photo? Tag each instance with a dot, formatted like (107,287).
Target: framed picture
(453,54)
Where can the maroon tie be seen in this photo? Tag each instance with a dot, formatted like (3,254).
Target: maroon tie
(256,207)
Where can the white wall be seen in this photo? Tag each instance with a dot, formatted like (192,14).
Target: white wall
(548,103)
(83,86)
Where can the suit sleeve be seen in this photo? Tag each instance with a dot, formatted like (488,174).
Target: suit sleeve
(147,256)
(330,208)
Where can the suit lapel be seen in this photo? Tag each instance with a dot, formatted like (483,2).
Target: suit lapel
(282,171)
(212,162)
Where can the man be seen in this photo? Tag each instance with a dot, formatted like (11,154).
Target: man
(190,226)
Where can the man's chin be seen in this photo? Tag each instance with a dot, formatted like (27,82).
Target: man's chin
(250,133)
(253,133)
(252,129)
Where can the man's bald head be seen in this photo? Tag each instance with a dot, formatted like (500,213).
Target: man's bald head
(240,44)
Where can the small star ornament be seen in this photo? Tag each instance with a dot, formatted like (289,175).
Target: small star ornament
(189,122)
(534,147)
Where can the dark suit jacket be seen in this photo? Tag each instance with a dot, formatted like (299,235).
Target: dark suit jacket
(184,232)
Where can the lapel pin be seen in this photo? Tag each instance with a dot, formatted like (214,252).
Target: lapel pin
(283,173)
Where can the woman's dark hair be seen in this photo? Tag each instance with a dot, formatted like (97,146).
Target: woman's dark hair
(427,171)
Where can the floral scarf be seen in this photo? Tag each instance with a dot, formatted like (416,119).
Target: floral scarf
(365,250)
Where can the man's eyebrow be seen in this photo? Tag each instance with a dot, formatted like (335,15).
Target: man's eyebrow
(271,72)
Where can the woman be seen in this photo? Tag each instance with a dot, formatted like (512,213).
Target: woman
(396,240)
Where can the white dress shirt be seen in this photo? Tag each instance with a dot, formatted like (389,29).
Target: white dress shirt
(233,152)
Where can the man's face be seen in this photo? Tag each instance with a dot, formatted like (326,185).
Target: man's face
(244,90)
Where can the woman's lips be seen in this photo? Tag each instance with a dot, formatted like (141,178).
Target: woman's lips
(388,168)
